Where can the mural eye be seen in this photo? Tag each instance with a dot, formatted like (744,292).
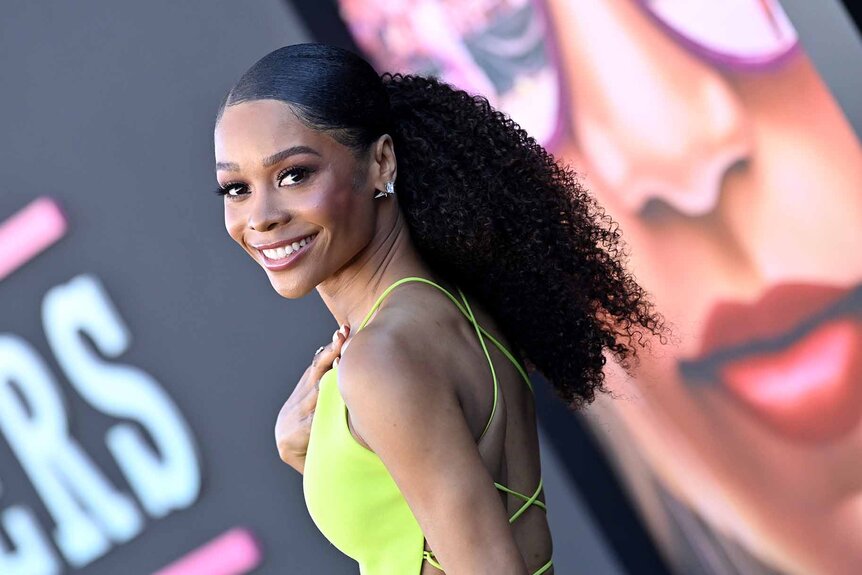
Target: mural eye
(738,33)
(502,49)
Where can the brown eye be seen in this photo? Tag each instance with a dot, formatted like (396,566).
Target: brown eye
(228,190)
(293,175)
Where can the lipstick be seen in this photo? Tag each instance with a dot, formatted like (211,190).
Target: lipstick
(793,358)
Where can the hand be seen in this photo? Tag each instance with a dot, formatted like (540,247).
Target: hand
(293,426)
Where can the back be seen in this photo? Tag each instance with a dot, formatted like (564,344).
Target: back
(501,418)
(510,447)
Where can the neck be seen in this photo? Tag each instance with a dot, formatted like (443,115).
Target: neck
(390,256)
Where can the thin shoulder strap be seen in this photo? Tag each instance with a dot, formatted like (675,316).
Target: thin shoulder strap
(470,316)
(494,340)
(383,296)
(491,363)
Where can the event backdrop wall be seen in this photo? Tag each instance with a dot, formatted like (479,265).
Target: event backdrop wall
(143,356)
(706,130)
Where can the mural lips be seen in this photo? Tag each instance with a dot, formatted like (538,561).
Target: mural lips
(793,358)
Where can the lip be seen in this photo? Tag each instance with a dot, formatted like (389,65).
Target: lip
(281,243)
(290,261)
(793,358)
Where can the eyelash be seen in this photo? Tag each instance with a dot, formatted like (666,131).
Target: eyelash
(298,170)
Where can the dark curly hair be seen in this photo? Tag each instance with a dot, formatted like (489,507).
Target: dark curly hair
(488,208)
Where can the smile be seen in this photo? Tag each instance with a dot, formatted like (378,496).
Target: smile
(283,257)
(284,251)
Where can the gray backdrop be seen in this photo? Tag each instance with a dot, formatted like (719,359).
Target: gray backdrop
(108,109)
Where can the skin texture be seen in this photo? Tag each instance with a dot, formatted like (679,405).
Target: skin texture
(416,382)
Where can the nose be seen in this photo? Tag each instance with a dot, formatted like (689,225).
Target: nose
(264,212)
(653,121)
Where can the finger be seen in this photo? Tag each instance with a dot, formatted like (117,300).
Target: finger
(323,360)
(309,402)
(308,419)
(315,384)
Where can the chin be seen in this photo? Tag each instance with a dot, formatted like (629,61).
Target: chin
(291,292)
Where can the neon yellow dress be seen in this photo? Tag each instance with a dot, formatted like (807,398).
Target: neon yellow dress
(350,494)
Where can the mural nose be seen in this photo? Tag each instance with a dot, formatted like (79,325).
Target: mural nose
(641,134)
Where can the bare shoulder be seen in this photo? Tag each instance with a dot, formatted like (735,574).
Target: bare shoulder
(395,356)
(409,359)
(397,382)
(398,392)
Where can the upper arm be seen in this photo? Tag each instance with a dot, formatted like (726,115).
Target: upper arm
(414,422)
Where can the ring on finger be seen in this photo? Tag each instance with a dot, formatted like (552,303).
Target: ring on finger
(319,349)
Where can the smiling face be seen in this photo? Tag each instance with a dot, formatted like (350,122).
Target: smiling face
(286,181)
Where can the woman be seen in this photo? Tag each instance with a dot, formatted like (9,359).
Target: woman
(397,197)
(706,131)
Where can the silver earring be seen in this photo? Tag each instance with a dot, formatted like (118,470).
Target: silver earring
(390,190)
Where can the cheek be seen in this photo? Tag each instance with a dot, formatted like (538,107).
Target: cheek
(338,207)
(233,223)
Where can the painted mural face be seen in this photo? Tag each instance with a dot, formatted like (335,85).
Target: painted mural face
(737,182)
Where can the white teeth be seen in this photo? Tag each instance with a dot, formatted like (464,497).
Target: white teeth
(284,251)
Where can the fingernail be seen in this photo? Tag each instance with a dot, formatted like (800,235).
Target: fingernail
(335,336)
(335,362)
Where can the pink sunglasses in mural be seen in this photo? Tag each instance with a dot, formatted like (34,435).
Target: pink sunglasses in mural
(506,50)
(739,34)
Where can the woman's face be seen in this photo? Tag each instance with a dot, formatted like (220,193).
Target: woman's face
(288,181)
(738,188)
(740,194)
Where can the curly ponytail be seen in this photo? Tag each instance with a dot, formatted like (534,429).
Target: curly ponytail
(487,207)
(490,208)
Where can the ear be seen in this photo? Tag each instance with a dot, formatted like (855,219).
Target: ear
(383,163)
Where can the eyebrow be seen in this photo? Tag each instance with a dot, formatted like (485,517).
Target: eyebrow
(273,159)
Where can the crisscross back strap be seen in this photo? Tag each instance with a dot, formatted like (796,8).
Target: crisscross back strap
(480,331)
